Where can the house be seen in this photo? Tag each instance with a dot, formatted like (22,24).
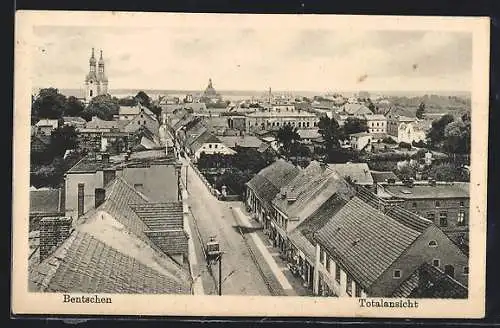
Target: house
(360,140)
(358,173)
(308,136)
(273,120)
(301,239)
(45,202)
(75,121)
(265,185)
(353,257)
(142,119)
(415,131)
(300,198)
(208,143)
(46,126)
(102,125)
(117,247)
(377,123)
(354,109)
(130,112)
(446,204)
(383,176)
(148,171)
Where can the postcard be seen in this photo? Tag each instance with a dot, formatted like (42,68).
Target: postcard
(182,164)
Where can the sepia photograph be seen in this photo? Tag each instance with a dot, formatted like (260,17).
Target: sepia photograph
(227,164)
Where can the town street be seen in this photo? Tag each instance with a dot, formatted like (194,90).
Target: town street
(240,274)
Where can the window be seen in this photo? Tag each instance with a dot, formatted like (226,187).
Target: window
(461,218)
(433,243)
(462,203)
(215,146)
(357,291)
(139,122)
(396,274)
(348,287)
(431,216)
(138,185)
(337,273)
(91,93)
(210,146)
(466,270)
(438,204)
(443,219)
(142,116)
(449,270)
(436,262)
(414,204)
(327,264)
(81,199)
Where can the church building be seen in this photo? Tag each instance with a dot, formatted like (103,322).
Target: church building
(96,81)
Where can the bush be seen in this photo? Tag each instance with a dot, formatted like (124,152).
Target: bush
(419,144)
(389,140)
(405,145)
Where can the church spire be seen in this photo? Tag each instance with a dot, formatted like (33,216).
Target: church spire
(92,58)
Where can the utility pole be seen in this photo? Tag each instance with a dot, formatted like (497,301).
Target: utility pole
(220,274)
(187,167)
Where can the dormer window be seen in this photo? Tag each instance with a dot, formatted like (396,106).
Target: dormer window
(433,243)
(396,274)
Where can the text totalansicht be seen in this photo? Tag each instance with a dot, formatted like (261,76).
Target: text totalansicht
(382,303)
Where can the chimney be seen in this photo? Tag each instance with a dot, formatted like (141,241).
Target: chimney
(108,176)
(100,196)
(53,232)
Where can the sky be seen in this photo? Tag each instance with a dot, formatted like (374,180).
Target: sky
(255,58)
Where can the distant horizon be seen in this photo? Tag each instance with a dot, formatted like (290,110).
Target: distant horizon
(249,92)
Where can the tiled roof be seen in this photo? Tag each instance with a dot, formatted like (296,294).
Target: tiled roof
(429,281)
(310,188)
(87,264)
(267,183)
(358,172)
(160,216)
(90,163)
(172,242)
(440,190)
(97,123)
(356,109)
(364,240)
(45,201)
(308,133)
(47,122)
(303,235)
(375,117)
(129,110)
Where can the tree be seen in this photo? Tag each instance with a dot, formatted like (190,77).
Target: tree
(355,125)
(48,104)
(436,132)
(62,139)
(287,136)
(371,106)
(330,132)
(420,111)
(457,138)
(73,107)
(102,106)
(143,99)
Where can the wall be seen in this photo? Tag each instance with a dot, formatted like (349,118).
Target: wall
(377,126)
(268,122)
(142,120)
(214,148)
(420,252)
(159,182)
(91,181)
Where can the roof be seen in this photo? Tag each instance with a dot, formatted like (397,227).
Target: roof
(46,140)
(74,119)
(267,183)
(91,262)
(45,201)
(97,123)
(356,109)
(358,172)
(129,110)
(303,235)
(309,190)
(364,240)
(160,216)
(308,133)
(375,117)
(47,122)
(90,163)
(422,191)
(383,176)
(241,141)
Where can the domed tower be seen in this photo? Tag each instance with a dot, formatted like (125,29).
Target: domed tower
(102,78)
(91,81)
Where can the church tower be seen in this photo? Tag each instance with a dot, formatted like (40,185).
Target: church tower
(96,82)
